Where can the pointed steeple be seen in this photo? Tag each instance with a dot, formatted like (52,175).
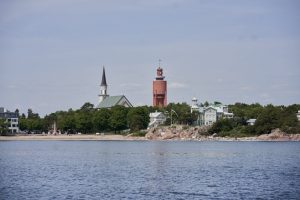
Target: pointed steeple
(103,87)
(103,82)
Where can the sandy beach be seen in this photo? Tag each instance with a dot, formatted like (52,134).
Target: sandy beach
(71,137)
(269,137)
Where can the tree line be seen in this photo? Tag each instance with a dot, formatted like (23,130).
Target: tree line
(87,119)
(267,117)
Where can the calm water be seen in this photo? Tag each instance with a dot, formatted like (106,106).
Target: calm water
(149,170)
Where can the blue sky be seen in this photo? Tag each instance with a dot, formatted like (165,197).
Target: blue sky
(52,51)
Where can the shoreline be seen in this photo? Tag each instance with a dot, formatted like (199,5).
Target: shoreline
(134,138)
(70,138)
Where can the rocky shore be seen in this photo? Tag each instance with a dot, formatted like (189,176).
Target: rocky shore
(278,135)
(182,133)
(200,134)
(176,132)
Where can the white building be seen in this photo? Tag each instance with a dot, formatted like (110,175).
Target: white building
(298,115)
(11,118)
(211,113)
(156,118)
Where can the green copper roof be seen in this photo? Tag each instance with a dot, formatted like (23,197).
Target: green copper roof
(111,101)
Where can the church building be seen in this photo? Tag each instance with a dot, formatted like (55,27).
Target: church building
(106,101)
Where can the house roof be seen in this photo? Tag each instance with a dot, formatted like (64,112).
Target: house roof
(111,101)
(7,115)
(227,113)
(217,108)
(251,120)
(210,107)
(155,114)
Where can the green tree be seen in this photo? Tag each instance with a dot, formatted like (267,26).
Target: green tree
(3,126)
(32,115)
(182,113)
(217,103)
(226,125)
(246,111)
(206,104)
(23,122)
(288,120)
(268,120)
(68,123)
(118,118)
(34,124)
(48,121)
(65,121)
(87,107)
(138,118)
(101,119)
(222,125)
(83,118)
(84,121)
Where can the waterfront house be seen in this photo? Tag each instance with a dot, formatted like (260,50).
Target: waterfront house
(11,119)
(211,113)
(156,118)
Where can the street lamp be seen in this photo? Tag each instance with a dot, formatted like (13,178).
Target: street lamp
(171,115)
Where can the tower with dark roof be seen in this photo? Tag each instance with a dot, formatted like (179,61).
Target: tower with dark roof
(103,87)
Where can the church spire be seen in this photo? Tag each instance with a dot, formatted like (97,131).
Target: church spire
(103,82)
(103,87)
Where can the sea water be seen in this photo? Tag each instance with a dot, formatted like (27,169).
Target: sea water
(149,170)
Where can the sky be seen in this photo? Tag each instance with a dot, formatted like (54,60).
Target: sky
(52,51)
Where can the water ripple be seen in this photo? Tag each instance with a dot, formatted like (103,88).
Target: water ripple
(149,170)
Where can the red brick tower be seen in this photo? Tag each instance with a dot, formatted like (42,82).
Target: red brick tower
(160,89)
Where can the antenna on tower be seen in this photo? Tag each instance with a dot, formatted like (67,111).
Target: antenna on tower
(159,61)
